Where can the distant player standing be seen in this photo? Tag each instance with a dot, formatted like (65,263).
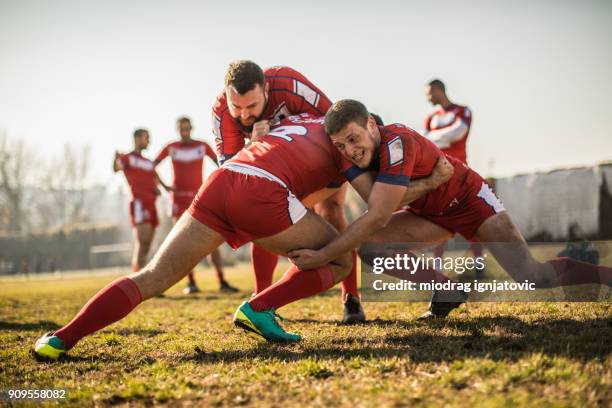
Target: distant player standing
(187,157)
(448,126)
(142,179)
(251,101)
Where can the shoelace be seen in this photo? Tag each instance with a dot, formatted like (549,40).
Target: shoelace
(275,315)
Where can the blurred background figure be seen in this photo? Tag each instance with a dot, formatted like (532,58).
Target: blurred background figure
(187,157)
(143,180)
(448,126)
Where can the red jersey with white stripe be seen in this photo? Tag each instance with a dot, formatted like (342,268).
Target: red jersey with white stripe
(140,175)
(187,164)
(299,153)
(449,129)
(405,155)
(290,93)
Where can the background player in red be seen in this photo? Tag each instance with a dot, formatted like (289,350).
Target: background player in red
(252,100)
(464,204)
(254,197)
(187,157)
(142,179)
(448,126)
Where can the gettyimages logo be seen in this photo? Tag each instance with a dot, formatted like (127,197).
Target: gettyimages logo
(396,272)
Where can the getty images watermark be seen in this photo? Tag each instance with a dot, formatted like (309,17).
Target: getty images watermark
(497,272)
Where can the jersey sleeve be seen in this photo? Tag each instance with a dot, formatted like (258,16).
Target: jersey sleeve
(349,170)
(162,155)
(229,139)
(427,123)
(305,96)
(210,152)
(397,158)
(124,160)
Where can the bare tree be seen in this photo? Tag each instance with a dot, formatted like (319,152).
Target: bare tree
(64,182)
(14,172)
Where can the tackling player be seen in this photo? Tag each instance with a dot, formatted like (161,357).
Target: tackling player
(251,101)
(187,157)
(142,179)
(253,197)
(448,126)
(465,204)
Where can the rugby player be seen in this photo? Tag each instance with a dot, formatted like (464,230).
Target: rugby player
(143,180)
(464,204)
(187,157)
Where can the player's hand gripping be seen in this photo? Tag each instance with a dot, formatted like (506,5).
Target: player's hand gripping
(307,259)
(260,129)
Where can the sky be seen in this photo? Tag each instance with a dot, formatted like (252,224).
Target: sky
(536,74)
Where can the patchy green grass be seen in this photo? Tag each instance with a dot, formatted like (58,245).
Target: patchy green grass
(182,350)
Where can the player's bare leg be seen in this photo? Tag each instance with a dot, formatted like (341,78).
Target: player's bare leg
(503,239)
(257,315)
(217,262)
(332,210)
(143,237)
(188,242)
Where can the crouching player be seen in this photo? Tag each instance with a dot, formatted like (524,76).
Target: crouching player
(465,205)
(253,197)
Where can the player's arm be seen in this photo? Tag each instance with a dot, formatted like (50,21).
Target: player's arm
(442,172)
(229,139)
(160,182)
(383,202)
(117,162)
(211,154)
(161,156)
(445,137)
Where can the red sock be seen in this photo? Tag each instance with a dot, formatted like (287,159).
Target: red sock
(111,303)
(264,264)
(294,285)
(572,272)
(191,278)
(476,249)
(349,284)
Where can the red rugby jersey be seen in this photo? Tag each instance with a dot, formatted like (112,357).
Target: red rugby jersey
(405,155)
(187,164)
(140,175)
(449,129)
(290,93)
(299,153)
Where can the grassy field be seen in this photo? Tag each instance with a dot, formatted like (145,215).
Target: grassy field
(182,350)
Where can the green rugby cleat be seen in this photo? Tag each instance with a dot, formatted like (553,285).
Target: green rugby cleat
(49,346)
(263,324)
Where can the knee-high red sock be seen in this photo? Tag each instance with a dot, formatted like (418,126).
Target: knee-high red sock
(349,284)
(572,272)
(294,285)
(264,264)
(111,303)
(191,278)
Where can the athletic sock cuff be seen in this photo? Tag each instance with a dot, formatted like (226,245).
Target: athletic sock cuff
(129,287)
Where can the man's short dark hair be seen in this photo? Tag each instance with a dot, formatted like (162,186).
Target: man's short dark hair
(377,119)
(436,83)
(140,132)
(344,112)
(183,119)
(244,75)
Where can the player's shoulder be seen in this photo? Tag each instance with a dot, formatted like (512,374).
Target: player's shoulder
(281,77)
(220,105)
(395,130)
(462,110)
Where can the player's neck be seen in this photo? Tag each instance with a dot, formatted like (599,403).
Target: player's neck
(186,141)
(446,103)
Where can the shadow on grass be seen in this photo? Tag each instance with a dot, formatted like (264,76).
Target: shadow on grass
(41,325)
(513,340)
